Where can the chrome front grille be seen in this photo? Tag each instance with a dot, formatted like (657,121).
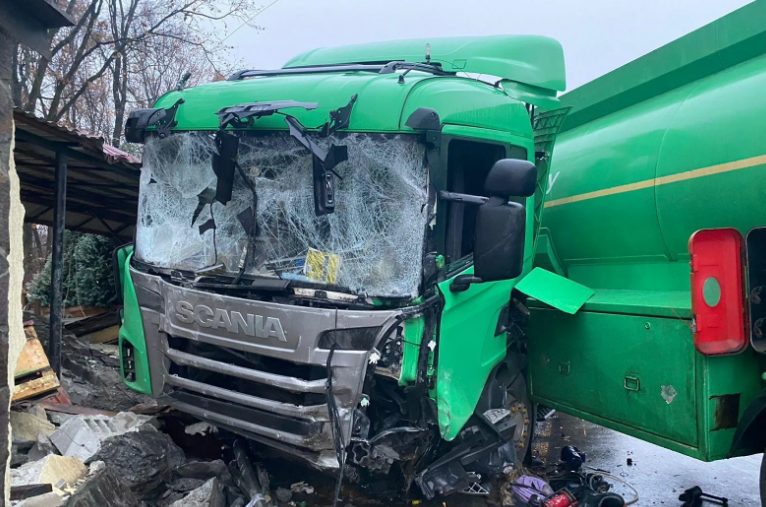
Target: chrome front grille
(270,390)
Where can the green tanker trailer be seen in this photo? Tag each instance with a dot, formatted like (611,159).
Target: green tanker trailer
(657,207)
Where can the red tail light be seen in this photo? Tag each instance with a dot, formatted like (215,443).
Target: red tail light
(717,291)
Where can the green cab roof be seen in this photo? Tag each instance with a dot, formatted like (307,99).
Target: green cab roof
(382,105)
(532,69)
(723,43)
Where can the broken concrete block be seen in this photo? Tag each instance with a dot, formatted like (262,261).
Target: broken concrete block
(100,488)
(62,472)
(59,418)
(82,436)
(25,426)
(210,494)
(41,449)
(144,460)
(46,500)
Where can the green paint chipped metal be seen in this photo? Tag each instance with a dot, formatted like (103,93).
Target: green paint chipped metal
(555,290)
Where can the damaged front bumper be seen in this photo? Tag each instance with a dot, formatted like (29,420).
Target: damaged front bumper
(257,368)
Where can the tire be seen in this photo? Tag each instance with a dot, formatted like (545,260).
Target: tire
(763,481)
(518,399)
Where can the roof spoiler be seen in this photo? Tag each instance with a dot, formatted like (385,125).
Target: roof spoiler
(530,68)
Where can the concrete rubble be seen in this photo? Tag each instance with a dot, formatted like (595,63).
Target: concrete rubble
(62,472)
(96,452)
(210,494)
(81,436)
(26,426)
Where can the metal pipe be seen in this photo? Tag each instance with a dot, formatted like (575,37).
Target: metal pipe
(57,264)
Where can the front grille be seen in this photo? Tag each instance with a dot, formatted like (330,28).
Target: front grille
(264,396)
(270,365)
(269,388)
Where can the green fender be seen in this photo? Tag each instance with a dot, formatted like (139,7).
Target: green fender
(132,326)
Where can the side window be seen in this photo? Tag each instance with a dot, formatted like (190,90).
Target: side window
(468,164)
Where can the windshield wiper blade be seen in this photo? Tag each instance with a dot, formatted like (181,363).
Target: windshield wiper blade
(378,68)
(240,115)
(265,284)
(392,67)
(305,70)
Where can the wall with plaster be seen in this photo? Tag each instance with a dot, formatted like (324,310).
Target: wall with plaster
(15,276)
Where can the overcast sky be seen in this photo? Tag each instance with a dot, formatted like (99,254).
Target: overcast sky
(597,35)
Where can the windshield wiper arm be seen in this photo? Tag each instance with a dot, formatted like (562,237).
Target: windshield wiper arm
(265,283)
(240,115)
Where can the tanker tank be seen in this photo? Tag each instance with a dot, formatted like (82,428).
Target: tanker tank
(650,155)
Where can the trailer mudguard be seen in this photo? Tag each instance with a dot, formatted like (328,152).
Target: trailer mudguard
(750,436)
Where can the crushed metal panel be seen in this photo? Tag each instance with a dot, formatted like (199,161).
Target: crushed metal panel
(554,290)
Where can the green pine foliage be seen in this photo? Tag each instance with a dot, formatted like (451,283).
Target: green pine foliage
(88,279)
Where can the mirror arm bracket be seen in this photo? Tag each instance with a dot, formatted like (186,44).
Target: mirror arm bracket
(462,282)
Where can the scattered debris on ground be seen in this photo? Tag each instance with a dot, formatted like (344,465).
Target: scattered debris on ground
(33,375)
(91,372)
(570,482)
(694,497)
(111,446)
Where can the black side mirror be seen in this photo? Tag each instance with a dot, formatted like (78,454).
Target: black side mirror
(500,224)
(498,250)
(511,177)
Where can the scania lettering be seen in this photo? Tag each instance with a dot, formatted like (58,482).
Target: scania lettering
(234,322)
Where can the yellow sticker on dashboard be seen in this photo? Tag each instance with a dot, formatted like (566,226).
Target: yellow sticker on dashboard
(322,266)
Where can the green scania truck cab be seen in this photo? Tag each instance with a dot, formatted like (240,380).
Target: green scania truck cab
(657,207)
(326,255)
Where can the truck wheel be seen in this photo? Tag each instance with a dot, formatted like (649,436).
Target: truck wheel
(763,481)
(521,407)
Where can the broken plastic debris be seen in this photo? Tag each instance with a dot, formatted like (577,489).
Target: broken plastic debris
(302,487)
(200,428)
(527,487)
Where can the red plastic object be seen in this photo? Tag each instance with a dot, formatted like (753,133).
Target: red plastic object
(718,291)
(561,499)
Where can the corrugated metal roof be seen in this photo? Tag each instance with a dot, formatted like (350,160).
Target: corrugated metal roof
(102,181)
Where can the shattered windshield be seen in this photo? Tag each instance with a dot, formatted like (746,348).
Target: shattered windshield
(372,244)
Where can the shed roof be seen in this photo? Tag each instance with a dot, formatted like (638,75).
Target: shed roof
(102,181)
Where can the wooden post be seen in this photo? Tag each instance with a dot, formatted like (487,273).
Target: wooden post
(57,265)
